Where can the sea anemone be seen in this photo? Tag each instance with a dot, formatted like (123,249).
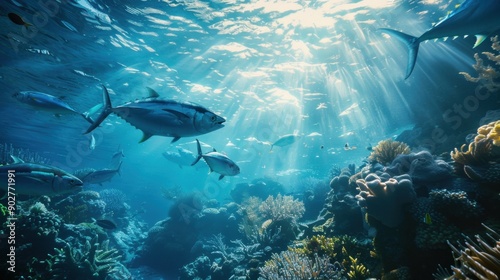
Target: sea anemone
(387,150)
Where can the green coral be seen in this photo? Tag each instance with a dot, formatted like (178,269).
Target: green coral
(4,209)
(92,261)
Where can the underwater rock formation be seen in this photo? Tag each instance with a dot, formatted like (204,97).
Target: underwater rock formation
(384,197)
(422,167)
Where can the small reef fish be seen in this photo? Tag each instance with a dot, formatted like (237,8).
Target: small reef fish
(218,162)
(92,176)
(473,17)
(116,159)
(285,140)
(106,224)
(427,219)
(348,148)
(182,157)
(369,147)
(92,142)
(155,116)
(38,179)
(17,19)
(46,102)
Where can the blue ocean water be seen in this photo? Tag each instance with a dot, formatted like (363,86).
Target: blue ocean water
(320,70)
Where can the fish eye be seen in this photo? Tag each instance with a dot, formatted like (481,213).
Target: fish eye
(213,118)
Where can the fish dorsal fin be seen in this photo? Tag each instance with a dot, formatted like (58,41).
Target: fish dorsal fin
(175,139)
(479,39)
(16,159)
(145,137)
(214,150)
(176,113)
(152,93)
(221,176)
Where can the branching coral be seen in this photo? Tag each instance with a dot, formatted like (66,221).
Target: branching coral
(487,75)
(93,261)
(477,259)
(282,208)
(384,197)
(387,150)
(293,265)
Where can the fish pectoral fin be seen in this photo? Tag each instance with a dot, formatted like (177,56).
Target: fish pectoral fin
(175,139)
(145,136)
(479,39)
(176,113)
(221,176)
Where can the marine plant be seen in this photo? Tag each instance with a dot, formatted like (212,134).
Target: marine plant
(387,150)
(3,209)
(8,150)
(281,208)
(477,259)
(487,75)
(93,260)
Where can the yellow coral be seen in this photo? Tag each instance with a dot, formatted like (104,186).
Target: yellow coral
(387,150)
(489,131)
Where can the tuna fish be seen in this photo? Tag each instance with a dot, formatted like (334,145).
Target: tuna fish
(474,17)
(156,116)
(37,179)
(285,140)
(218,162)
(47,102)
(92,176)
(182,157)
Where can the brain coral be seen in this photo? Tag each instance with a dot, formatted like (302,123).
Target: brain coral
(384,197)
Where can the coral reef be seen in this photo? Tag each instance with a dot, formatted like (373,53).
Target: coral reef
(8,150)
(384,197)
(422,167)
(93,260)
(477,259)
(481,161)
(456,206)
(387,150)
(81,207)
(487,75)
(281,208)
(115,201)
(293,265)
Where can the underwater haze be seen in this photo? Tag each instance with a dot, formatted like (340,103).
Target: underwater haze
(320,122)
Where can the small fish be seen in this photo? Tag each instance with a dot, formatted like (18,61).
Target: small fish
(46,102)
(473,17)
(17,19)
(156,116)
(92,142)
(106,224)
(285,140)
(116,159)
(369,147)
(427,219)
(348,148)
(218,162)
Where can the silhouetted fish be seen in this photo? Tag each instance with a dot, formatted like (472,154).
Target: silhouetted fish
(106,224)
(15,18)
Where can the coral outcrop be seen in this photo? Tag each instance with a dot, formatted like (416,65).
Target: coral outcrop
(384,197)
(387,150)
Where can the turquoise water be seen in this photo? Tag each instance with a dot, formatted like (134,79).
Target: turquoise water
(316,69)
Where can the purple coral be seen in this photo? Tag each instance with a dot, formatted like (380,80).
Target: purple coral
(384,197)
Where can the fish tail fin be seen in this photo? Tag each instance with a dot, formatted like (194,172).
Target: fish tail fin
(119,168)
(411,43)
(106,110)
(87,118)
(199,153)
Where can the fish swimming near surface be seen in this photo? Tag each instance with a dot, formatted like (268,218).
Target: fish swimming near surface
(17,19)
(285,140)
(156,116)
(92,176)
(47,102)
(474,17)
(218,162)
(182,157)
(38,179)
